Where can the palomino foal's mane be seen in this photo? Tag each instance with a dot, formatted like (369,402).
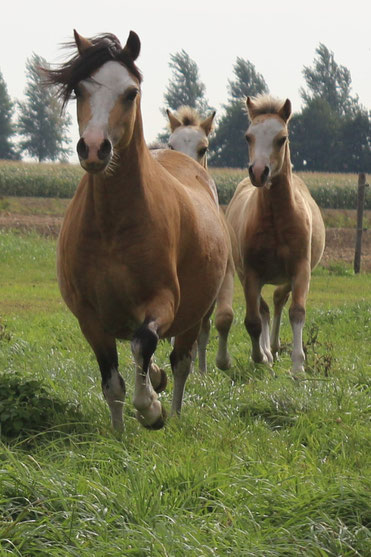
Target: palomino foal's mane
(266,104)
(188,116)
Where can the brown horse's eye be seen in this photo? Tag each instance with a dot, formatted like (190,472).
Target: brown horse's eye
(131,95)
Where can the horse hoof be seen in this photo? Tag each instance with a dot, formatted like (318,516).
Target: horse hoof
(163,382)
(158,424)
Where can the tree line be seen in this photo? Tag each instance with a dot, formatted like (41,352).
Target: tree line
(330,133)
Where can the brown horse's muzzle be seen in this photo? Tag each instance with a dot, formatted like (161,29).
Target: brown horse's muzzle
(94,158)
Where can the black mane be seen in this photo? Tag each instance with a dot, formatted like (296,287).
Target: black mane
(106,47)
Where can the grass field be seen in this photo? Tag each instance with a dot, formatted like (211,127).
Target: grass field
(258,464)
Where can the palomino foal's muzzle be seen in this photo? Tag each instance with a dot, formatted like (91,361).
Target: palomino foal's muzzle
(258,179)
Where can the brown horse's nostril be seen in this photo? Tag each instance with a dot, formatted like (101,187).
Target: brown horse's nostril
(82,149)
(105,150)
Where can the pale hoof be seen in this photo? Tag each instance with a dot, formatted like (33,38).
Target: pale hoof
(157,424)
(158,378)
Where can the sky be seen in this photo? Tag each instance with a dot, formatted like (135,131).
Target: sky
(278,36)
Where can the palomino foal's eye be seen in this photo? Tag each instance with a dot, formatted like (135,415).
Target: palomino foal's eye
(202,151)
(248,139)
(170,147)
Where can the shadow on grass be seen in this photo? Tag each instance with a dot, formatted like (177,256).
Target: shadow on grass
(27,408)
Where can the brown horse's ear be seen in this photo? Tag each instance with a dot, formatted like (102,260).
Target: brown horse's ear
(174,122)
(285,111)
(250,108)
(207,124)
(132,47)
(81,43)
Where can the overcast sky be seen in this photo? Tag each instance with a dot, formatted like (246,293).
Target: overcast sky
(278,36)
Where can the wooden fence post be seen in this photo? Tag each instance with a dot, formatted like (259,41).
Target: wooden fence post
(360,204)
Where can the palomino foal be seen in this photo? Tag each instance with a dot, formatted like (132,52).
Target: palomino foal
(141,253)
(189,134)
(279,231)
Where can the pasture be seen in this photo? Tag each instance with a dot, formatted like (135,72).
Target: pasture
(257,465)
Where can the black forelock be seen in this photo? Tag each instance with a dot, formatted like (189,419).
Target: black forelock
(105,48)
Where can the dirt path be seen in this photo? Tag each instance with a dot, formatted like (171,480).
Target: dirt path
(340,242)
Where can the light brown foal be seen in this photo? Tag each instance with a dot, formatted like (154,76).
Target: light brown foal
(189,134)
(141,253)
(280,235)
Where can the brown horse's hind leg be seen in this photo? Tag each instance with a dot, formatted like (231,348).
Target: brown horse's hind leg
(113,385)
(203,340)
(181,362)
(280,298)
(224,316)
(149,409)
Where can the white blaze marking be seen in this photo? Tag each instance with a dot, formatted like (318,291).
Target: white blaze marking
(107,84)
(264,133)
(186,140)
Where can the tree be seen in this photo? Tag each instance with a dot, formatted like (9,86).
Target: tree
(7,150)
(332,133)
(228,147)
(328,81)
(41,122)
(184,88)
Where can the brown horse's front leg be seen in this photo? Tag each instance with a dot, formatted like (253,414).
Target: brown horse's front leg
(104,346)
(149,409)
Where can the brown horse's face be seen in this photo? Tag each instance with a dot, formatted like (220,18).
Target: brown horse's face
(106,111)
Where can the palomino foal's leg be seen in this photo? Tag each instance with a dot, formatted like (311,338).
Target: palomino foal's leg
(181,361)
(253,321)
(300,288)
(264,337)
(113,385)
(143,345)
(280,297)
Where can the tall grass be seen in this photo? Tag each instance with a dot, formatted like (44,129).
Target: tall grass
(258,465)
(330,190)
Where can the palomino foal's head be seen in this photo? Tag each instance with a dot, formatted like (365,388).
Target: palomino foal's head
(106,84)
(267,137)
(189,134)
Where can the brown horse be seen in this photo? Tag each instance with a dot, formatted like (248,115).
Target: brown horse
(280,235)
(189,134)
(141,253)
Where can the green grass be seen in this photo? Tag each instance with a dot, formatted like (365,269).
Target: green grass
(258,465)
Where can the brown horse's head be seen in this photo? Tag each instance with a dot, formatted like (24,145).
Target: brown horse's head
(106,83)
(267,137)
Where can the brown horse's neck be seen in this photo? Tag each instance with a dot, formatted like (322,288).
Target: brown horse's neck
(119,194)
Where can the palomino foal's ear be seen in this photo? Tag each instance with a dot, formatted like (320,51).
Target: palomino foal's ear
(285,110)
(207,124)
(81,43)
(132,47)
(173,120)
(250,107)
